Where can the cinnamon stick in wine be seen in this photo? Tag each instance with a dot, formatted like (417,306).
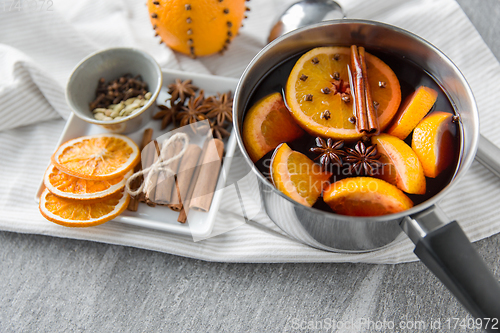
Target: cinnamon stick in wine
(165,185)
(207,179)
(361,116)
(184,176)
(371,113)
(134,201)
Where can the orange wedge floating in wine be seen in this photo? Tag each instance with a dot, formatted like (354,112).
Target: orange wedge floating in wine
(412,110)
(267,124)
(401,165)
(298,177)
(433,143)
(82,213)
(312,89)
(365,196)
(97,157)
(66,186)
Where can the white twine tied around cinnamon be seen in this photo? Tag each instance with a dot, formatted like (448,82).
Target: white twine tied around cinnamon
(160,165)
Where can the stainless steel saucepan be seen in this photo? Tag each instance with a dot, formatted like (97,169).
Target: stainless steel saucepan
(440,244)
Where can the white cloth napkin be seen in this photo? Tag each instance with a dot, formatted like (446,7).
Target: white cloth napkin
(39,49)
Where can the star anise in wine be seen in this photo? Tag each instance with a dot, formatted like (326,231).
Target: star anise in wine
(363,160)
(218,131)
(328,152)
(220,107)
(181,90)
(167,114)
(193,111)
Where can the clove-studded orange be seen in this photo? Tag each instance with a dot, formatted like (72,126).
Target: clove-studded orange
(197,27)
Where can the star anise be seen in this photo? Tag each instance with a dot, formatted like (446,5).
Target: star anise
(167,114)
(218,131)
(220,108)
(363,160)
(194,110)
(328,151)
(181,90)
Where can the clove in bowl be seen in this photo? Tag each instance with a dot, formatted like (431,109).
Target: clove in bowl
(112,76)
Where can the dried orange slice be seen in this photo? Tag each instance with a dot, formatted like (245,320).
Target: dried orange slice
(310,92)
(70,187)
(413,109)
(298,177)
(433,143)
(401,165)
(267,124)
(82,213)
(365,196)
(97,157)
(196,27)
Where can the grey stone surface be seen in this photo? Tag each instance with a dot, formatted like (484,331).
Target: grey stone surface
(53,285)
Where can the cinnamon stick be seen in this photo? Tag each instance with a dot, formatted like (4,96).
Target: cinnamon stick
(154,150)
(133,204)
(187,199)
(165,185)
(184,176)
(370,109)
(182,215)
(207,179)
(359,91)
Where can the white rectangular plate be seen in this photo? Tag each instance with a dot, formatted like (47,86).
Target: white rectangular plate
(200,224)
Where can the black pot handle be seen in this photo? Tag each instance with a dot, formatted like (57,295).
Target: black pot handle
(445,249)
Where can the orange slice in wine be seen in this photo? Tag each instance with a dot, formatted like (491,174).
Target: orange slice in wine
(433,143)
(267,124)
(365,196)
(413,109)
(401,165)
(316,103)
(298,177)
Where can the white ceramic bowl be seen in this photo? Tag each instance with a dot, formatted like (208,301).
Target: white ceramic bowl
(111,64)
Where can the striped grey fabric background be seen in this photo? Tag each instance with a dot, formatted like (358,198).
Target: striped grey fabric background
(39,49)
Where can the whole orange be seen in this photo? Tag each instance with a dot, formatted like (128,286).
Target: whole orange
(197,27)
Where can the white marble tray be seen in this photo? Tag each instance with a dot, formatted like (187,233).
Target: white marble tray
(161,218)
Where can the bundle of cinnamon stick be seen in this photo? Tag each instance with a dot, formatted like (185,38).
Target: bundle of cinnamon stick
(366,115)
(134,201)
(194,182)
